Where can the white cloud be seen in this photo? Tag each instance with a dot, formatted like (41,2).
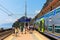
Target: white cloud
(37,11)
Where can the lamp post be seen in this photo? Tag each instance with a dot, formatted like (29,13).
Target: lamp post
(25,8)
(25,15)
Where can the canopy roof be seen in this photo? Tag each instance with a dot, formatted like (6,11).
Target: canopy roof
(24,19)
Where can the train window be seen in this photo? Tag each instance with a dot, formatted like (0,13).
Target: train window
(57,26)
(57,29)
(50,28)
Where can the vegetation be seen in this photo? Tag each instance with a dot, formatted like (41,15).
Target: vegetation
(16,24)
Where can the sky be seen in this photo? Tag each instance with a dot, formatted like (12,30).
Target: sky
(17,7)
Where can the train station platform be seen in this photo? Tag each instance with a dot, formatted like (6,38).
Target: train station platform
(28,36)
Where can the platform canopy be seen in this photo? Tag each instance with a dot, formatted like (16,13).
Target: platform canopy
(24,19)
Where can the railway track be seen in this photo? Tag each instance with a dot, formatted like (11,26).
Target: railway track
(5,34)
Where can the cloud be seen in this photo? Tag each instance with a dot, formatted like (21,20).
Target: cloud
(37,11)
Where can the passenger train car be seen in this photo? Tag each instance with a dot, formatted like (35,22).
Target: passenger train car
(49,23)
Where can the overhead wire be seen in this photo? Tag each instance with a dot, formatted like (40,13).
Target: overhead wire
(4,11)
(11,14)
(7,11)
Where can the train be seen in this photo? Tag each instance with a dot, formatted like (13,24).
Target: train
(49,23)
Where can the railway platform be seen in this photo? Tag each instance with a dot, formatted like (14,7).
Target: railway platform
(28,36)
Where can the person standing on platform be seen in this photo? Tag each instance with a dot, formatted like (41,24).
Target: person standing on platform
(22,27)
(16,31)
(26,28)
(31,28)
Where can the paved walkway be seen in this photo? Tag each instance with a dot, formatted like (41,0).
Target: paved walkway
(34,36)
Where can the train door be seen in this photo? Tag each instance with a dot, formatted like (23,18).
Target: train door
(42,25)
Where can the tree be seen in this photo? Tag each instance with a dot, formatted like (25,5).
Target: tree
(15,24)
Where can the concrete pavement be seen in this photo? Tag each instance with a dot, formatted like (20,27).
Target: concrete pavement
(28,36)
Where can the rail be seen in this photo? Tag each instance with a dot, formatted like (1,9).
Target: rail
(5,33)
